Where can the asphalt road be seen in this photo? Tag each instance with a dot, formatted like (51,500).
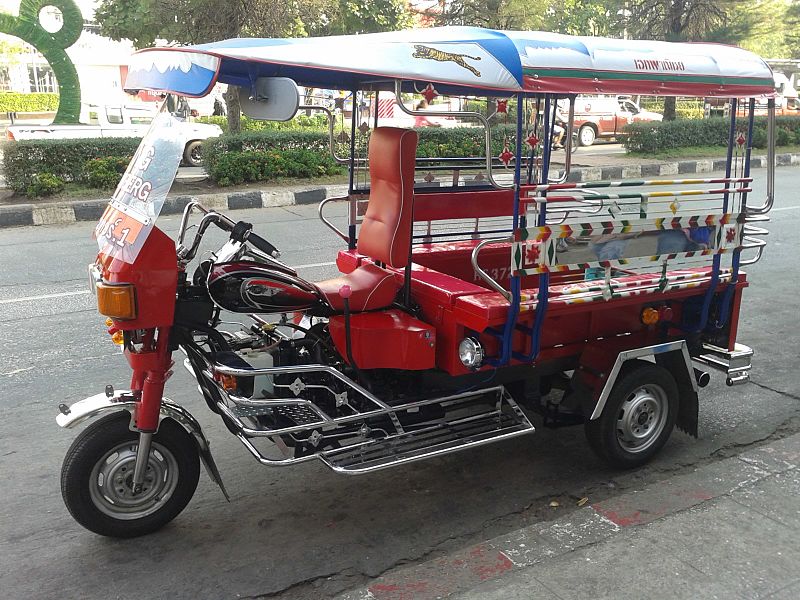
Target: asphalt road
(304,532)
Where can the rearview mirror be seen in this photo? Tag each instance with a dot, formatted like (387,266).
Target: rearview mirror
(271,99)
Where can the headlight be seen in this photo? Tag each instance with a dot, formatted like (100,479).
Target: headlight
(470,353)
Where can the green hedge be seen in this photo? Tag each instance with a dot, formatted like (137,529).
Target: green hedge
(316,122)
(435,142)
(31,102)
(685,108)
(234,168)
(66,159)
(666,135)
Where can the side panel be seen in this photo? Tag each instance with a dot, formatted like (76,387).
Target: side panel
(386,340)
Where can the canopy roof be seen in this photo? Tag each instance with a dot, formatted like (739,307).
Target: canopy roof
(460,59)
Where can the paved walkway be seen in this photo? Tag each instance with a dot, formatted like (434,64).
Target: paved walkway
(728,529)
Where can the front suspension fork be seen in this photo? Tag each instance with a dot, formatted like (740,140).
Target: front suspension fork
(151,368)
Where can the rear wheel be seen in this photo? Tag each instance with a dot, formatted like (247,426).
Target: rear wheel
(97,477)
(193,154)
(586,135)
(638,417)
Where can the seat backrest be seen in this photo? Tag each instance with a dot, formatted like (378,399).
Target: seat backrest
(385,233)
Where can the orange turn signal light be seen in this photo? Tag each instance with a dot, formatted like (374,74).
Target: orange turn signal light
(650,316)
(117,301)
(228,382)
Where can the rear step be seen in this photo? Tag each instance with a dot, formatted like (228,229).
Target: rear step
(432,440)
(736,363)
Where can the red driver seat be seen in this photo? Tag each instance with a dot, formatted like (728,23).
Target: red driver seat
(385,234)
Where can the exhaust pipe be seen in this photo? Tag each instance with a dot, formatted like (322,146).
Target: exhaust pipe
(702,378)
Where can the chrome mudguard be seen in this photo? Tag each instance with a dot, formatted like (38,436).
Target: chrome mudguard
(93,406)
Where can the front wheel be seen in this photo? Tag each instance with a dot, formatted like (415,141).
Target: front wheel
(638,417)
(97,477)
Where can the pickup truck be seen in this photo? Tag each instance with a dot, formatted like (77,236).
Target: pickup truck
(606,116)
(117,121)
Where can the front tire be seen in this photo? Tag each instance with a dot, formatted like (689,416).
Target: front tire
(638,417)
(97,474)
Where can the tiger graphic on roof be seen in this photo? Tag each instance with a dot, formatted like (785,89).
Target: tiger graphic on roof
(438,55)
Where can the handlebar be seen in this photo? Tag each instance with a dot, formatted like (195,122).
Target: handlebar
(241,231)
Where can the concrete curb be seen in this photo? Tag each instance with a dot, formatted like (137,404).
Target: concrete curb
(463,570)
(58,213)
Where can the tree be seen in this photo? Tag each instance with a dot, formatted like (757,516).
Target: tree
(792,22)
(582,17)
(200,21)
(678,21)
(494,14)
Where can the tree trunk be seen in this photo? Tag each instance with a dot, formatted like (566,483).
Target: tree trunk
(234,109)
(669,108)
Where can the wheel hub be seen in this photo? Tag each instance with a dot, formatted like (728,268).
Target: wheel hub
(642,418)
(111,483)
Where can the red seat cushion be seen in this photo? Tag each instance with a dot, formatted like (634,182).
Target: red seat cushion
(371,288)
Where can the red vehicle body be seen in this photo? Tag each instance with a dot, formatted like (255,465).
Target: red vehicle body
(461,311)
(606,117)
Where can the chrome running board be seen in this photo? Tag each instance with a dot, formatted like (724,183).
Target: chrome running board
(505,422)
(373,435)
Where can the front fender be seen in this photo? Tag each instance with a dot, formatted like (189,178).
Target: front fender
(88,408)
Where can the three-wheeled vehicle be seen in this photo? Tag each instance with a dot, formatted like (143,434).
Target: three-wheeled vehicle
(473,294)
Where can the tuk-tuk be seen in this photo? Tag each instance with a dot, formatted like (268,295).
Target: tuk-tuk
(474,292)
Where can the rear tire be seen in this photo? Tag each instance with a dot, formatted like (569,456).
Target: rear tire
(193,154)
(638,417)
(586,135)
(96,477)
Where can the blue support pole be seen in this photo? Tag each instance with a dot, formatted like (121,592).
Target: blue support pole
(712,288)
(726,299)
(544,278)
(513,309)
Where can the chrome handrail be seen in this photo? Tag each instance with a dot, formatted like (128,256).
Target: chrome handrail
(331,125)
(753,244)
(483,274)
(770,200)
(327,223)
(567,144)
(398,89)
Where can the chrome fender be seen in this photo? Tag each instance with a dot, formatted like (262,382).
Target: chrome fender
(90,407)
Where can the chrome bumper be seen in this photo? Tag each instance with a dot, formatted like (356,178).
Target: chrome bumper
(83,410)
(736,363)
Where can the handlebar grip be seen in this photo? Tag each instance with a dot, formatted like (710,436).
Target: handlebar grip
(262,244)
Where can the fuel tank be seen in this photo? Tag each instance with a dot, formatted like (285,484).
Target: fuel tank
(250,287)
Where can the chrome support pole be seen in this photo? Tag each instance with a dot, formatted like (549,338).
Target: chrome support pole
(142,458)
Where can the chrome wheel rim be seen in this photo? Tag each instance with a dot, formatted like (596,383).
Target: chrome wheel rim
(196,154)
(642,418)
(111,482)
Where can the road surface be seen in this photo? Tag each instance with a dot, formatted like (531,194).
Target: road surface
(304,532)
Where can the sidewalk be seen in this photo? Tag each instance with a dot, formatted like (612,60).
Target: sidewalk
(595,167)
(728,529)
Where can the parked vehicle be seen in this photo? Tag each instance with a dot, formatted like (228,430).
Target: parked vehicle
(606,117)
(120,121)
(458,315)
